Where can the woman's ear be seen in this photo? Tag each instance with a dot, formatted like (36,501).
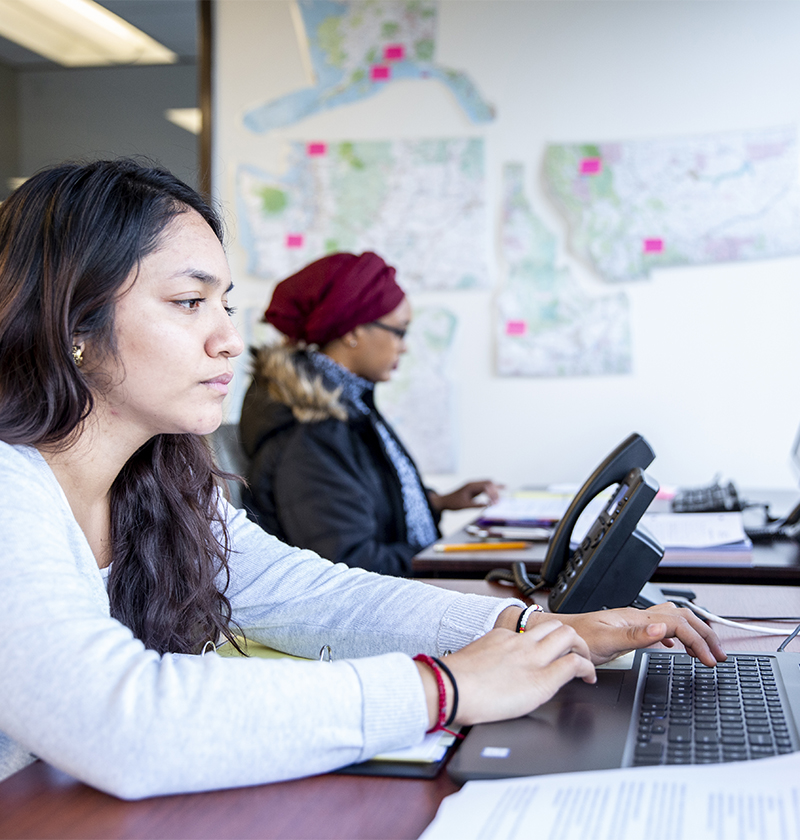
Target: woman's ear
(350,338)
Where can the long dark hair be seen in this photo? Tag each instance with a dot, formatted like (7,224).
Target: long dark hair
(69,238)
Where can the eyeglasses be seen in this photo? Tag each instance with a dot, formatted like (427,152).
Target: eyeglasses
(400,332)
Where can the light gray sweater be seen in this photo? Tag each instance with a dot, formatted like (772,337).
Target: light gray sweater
(78,690)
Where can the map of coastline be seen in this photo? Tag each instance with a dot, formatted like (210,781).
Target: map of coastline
(546,324)
(357,47)
(420,204)
(639,205)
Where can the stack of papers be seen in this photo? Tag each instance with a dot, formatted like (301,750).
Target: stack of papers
(689,539)
(532,508)
(433,748)
(533,514)
(753,801)
(695,538)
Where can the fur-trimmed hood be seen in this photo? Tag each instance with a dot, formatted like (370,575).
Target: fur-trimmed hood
(286,389)
(289,378)
(320,474)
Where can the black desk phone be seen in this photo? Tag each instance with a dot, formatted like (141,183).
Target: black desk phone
(617,556)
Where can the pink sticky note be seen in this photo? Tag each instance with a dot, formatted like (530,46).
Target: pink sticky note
(294,240)
(315,149)
(394,52)
(380,73)
(653,246)
(591,166)
(516,327)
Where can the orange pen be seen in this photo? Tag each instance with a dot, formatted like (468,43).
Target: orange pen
(481,546)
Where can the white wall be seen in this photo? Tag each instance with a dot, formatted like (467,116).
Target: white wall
(715,349)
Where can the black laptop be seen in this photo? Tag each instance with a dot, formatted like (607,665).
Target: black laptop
(663,708)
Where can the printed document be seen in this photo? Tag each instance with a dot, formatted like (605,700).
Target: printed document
(747,800)
(696,530)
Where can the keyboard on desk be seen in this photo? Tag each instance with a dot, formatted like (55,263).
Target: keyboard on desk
(692,714)
(713,498)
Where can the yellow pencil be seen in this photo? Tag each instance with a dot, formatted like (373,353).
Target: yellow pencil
(481,546)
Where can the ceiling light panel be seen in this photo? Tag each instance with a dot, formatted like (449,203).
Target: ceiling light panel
(78,33)
(189,118)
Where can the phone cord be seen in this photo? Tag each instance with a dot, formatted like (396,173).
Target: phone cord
(518,575)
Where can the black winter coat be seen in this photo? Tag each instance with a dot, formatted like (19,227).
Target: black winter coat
(318,472)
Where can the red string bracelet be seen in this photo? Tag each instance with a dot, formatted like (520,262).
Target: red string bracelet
(437,671)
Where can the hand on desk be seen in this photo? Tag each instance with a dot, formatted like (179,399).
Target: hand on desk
(465,496)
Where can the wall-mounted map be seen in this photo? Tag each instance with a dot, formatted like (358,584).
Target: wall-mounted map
(356,48)
(547,325)
(420,204)
(639,205)
(419,399)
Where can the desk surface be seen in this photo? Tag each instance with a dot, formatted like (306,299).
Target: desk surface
(41,802)
(776,562)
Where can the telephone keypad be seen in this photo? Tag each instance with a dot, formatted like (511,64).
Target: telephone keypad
(602,542)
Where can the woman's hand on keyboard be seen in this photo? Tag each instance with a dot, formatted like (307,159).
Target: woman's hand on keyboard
(610,633)
(506,674)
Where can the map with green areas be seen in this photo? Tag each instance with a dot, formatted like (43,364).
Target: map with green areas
(356,48)
(420,204)
(547,325)
(635,206)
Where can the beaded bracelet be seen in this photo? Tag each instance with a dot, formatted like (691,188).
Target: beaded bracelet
(436,666)
(454,710)
(522,621)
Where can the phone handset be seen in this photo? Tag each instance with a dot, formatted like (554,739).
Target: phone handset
(634,451)
(617,557)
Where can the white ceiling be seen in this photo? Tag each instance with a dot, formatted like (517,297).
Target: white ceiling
(171,22)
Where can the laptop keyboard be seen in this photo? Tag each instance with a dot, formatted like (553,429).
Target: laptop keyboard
(692,714)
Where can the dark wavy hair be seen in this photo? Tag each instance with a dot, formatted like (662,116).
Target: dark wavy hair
(69,238)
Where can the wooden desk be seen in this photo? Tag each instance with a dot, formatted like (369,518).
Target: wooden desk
(774,563)
(41,802)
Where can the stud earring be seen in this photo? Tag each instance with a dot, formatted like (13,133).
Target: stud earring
(77,354)
(353,342)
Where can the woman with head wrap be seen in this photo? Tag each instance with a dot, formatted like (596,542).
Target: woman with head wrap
(327,472)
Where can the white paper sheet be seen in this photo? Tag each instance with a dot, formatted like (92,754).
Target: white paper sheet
(696,530)
(748,800)
(531,506)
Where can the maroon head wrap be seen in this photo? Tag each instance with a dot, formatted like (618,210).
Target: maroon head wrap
(333,295)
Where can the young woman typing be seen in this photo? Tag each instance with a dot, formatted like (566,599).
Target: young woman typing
(121,561)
